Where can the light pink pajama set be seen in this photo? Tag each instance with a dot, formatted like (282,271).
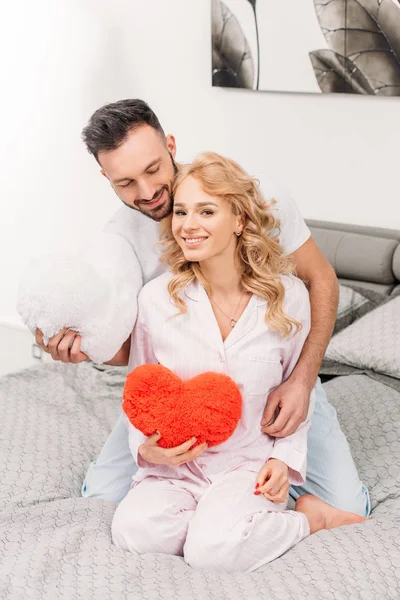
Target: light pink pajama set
(206,510)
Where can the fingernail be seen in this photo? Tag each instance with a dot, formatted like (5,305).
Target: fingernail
(257,493)
(257,486)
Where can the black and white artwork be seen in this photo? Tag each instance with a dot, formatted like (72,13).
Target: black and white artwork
(312,46)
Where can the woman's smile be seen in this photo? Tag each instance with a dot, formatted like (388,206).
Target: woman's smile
(193,242)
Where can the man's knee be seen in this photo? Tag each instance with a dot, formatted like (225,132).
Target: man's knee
(107,483)
(109,477)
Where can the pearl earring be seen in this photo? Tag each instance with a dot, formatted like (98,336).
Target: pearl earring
(238,233)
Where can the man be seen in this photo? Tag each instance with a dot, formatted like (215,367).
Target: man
(137,158)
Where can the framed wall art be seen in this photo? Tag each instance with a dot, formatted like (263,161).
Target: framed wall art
(312,46)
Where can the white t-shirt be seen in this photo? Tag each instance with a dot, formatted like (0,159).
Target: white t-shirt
(142,232)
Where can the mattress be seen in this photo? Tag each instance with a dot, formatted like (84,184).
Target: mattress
(55,544)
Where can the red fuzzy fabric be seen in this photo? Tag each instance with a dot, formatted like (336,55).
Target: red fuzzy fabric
(208,406)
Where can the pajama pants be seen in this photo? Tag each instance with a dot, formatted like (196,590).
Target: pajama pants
(331,472)
(219,526)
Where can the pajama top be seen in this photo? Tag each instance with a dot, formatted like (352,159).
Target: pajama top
(257,358)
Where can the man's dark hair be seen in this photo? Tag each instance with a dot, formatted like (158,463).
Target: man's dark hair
(110,125)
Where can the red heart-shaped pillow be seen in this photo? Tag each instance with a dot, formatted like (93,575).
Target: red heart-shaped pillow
(208,406)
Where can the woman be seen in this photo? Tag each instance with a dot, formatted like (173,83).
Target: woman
(230,304)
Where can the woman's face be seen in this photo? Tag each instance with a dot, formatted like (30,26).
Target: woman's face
(204,226)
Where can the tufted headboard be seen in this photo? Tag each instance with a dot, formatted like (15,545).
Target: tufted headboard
(364,256)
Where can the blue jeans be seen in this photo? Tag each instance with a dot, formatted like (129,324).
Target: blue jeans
(331,472)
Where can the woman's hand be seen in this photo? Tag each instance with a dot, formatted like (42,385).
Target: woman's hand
(273,481)
(151,452)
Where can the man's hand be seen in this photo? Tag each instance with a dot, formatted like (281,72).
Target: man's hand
(273,481)
(151,452)
(292,399)
(65,346)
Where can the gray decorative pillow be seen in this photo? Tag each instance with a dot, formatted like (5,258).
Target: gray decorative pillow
(372,342)
(355,302)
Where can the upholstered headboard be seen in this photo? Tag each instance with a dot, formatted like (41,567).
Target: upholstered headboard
(364,256)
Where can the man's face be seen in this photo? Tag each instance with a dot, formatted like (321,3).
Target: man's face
(141,171)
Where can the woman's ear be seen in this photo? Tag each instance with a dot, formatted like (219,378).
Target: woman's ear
(241,222)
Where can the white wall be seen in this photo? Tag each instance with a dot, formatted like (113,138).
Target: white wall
(338,154)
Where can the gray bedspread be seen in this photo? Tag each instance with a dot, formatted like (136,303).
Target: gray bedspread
(54,544)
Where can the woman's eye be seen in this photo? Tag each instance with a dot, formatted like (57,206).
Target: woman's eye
(152,172)
(179,212)
(208,212)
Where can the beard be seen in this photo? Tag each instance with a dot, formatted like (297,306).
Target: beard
(159,212)
(163,210)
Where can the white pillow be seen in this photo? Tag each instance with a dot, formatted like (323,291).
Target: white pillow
(372,342)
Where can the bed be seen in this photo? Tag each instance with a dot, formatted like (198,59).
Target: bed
(55,544)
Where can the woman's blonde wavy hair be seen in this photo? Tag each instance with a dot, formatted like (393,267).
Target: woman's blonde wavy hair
(259,255)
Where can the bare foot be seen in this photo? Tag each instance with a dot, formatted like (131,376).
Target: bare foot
(321,515)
